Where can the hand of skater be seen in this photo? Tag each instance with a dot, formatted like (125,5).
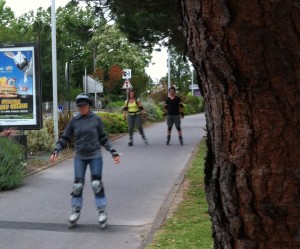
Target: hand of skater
(54,156)
(117,159)
(10,132)
(115,155)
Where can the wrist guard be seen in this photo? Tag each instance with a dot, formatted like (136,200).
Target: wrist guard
(55,152)
(114,153)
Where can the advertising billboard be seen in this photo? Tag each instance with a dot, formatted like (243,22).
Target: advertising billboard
(20,86)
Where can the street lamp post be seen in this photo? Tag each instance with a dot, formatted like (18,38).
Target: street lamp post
(169,70)
(54,71)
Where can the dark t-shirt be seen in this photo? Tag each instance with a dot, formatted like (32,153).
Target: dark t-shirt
(173,105)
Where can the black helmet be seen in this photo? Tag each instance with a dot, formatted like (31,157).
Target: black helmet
(83,98)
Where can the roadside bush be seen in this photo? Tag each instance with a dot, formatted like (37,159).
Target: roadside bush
(113,123)
(39,140)
(193,104)
(12,166)
(153,111)
(115,106)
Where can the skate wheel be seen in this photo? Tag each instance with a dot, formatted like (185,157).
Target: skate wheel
(71,225)
(102,225)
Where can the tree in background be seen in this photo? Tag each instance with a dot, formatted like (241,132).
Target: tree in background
(115,51)
(82,36)
(180,71)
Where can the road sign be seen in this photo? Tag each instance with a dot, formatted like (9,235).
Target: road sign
(193,87)
(126,74)
(126,84)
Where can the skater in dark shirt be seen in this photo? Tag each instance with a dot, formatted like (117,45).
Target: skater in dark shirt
(87,129)
(174,111)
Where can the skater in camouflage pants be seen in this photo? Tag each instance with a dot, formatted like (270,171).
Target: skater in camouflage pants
(87,129)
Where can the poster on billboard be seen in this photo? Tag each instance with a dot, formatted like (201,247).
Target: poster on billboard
(20,86)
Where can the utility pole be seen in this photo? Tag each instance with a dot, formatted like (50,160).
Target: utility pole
(54,71)
(94,63)
(169,70)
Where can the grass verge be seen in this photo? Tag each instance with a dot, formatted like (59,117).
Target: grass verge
(190,225)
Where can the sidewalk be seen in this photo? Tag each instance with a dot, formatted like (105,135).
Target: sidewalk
(139,192)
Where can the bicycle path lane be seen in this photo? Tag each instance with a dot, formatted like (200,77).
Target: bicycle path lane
(139,191)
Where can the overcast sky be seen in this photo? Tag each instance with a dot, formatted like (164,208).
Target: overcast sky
(156,70)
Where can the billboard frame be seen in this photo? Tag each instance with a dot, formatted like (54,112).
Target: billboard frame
(8,67)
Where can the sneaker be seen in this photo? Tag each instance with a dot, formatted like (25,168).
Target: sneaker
(102,215)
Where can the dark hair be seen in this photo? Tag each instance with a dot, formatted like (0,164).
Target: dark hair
(172,87)
(128,96)
(131,90)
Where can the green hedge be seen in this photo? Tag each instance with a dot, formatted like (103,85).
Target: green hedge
(153,111)
(113,123)
(12,164)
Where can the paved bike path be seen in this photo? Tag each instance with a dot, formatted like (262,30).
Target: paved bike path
(34,216)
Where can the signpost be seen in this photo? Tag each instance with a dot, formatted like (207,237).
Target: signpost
(126,74)
(126,85)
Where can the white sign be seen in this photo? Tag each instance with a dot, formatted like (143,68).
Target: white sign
(194,87)
(126,74)
(126,85)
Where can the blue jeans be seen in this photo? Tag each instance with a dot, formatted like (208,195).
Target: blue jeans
(80,166)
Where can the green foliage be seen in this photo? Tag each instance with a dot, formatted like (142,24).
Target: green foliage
(180,71)
(12,162)
(63,119)
(43,140)
(193,104)
(159,95)
(146,23)
(190,225)
(40,140)
(153,111)
(116,106)
(113,123)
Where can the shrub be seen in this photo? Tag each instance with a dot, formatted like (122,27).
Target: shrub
(193,104)
(116,106)
(12,158)
(113,123)
(39,140)
(153,111)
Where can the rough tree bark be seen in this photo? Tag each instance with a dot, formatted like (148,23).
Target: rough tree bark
(247,56)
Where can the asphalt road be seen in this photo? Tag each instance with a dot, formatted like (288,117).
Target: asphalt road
(139,191)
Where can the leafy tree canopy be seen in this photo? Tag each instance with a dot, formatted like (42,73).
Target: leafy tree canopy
(145,22)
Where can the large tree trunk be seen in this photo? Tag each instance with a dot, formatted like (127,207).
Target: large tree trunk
(247,55)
